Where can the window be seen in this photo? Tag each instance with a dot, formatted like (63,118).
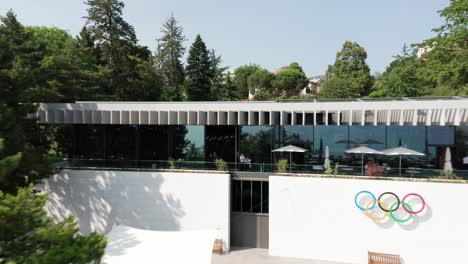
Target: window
(256,143)
(250,196)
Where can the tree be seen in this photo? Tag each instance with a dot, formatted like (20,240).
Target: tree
(350,75)
(199,71)
(260,83)
(231,90)
(117,43)
(168,59)
(222,87)
(241,77)
(290,80)
(66,69)
(20,59)
(400,78)
(8,164)
(445,66)
(28,235)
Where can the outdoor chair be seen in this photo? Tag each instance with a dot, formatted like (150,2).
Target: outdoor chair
(218,246)
(382,258)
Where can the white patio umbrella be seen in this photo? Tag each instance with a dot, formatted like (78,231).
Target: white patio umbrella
(401,151)
(290,149)
(362,151)
(326,163)
(448,161)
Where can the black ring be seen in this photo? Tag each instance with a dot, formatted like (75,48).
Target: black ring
(396,196)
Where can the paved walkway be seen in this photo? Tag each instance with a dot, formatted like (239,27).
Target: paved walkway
(260,256)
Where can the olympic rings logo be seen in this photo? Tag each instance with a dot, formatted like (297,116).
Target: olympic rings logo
(389,210)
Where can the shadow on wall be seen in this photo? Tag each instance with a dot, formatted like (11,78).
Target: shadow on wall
(102,199)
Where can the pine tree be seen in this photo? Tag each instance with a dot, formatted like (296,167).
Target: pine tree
(8,164)
(28,235)
(199,71)
(168,59)
(218,80)
(232,91)
(20,59)
(117,43)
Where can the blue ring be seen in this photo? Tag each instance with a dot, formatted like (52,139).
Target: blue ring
(371,194)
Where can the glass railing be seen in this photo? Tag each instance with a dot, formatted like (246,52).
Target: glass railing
(102,164)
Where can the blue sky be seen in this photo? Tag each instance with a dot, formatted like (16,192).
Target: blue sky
(269,33)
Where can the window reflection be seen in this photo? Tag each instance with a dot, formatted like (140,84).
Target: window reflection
(256,143)
(195,139)
(331,136)
(301,136)
(369,136)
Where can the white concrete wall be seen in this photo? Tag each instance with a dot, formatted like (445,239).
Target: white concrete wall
(146,200)
(317,218)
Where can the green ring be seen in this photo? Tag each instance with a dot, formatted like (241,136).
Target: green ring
(410,216)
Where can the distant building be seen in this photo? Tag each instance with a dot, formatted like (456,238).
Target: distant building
(422,51)
(314,85)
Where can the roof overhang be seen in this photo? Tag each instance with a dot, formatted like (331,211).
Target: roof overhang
(404,111)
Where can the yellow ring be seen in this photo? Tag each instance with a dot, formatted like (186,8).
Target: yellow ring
(384,205)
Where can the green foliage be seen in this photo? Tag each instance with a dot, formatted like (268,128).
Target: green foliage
(442,70)
(282,165)
(8,164)
(259,82)
(400,78)
(241,78)
(290,80)
(171,164)
(20,64)
(199,72)
(221,165)
(350,75)
(332,171)
(168,60)
(222,87)
(28,235)
(119,54)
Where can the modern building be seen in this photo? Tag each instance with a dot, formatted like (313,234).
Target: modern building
(288,214)
(204,131)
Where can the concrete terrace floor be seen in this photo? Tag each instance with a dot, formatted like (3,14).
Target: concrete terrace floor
(260,256)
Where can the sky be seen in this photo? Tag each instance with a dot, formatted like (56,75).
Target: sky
(269,33)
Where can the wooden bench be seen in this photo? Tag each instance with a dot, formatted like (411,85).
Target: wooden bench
(382,258)
(218,246)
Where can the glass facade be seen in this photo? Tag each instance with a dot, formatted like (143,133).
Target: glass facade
(255,143)
(335,137)
(301,136)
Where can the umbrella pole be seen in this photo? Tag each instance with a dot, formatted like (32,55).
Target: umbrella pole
(290,160)
(400,165)
(362,163)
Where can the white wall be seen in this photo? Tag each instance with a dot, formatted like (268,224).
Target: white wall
(146,200)
(317,218)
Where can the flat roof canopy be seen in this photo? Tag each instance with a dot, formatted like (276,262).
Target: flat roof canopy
(389,111)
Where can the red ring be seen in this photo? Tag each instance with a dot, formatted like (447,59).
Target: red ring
(408,210)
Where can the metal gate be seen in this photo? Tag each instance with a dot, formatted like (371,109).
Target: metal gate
(249,216)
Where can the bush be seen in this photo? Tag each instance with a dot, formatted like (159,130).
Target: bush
(221,165)
(171,164)
(334,171)
(282,165)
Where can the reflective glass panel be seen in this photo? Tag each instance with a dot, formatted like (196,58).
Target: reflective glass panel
(256,143)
